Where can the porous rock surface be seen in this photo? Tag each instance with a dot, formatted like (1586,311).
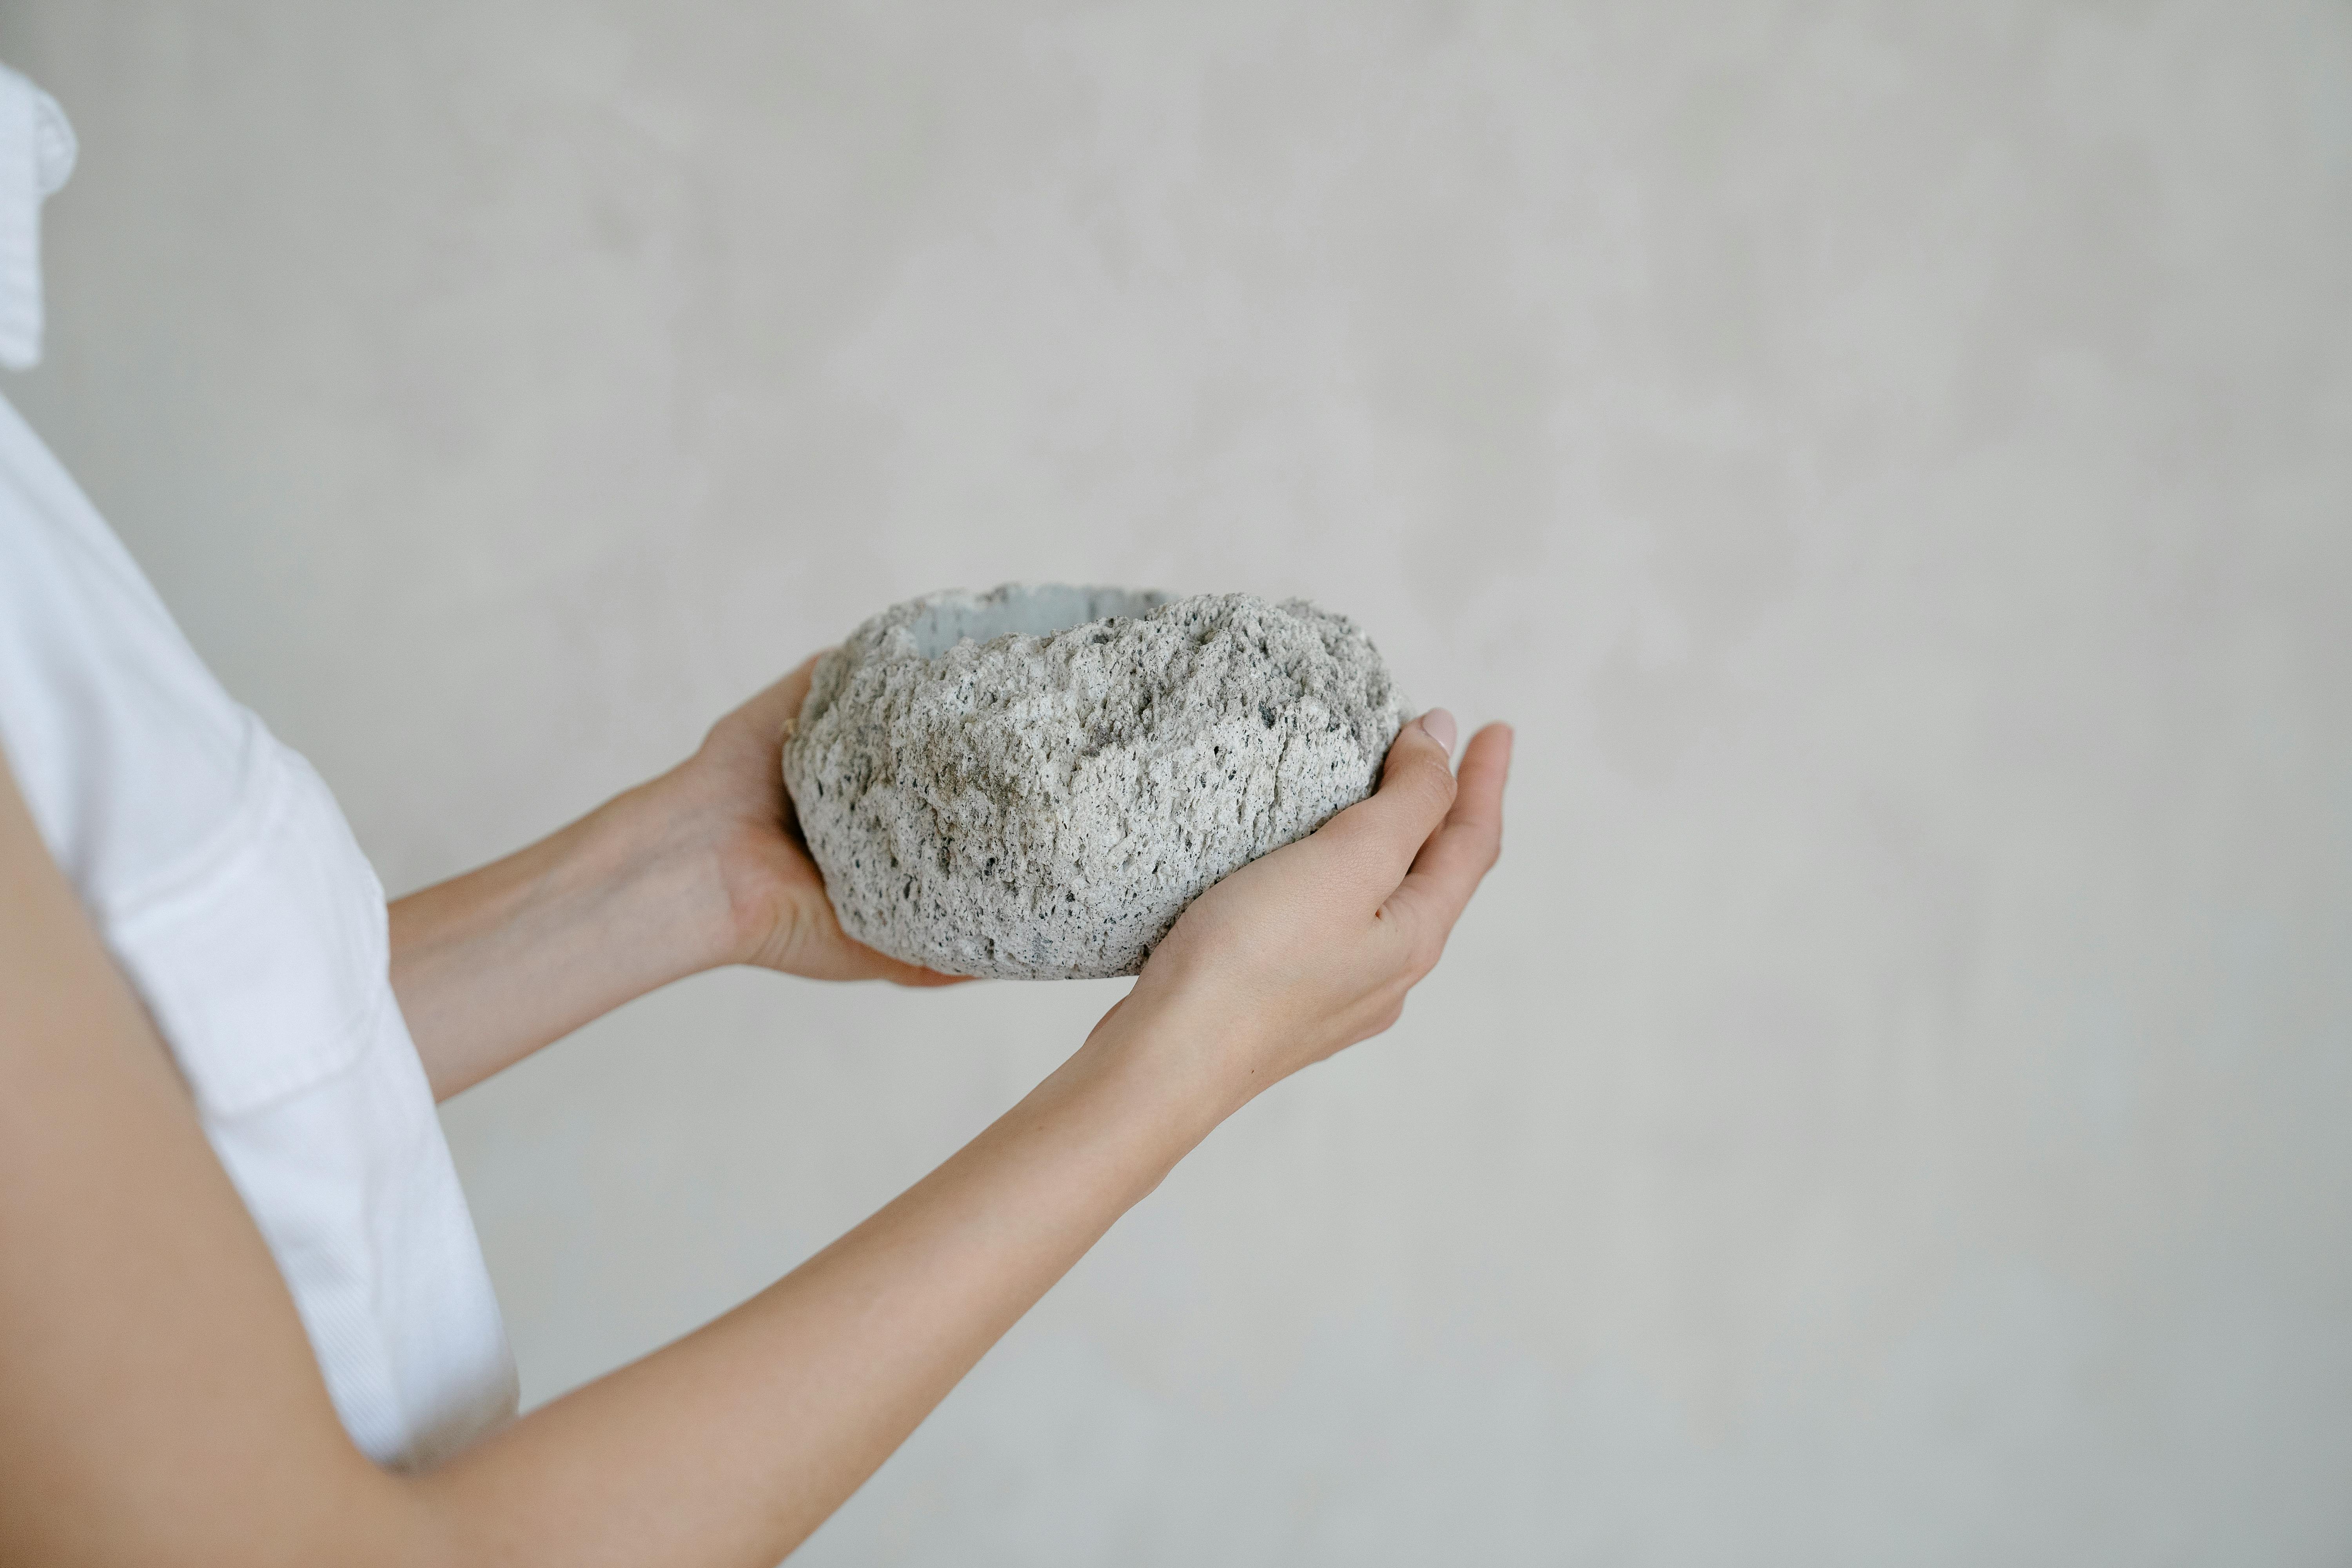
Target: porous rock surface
(1033,782)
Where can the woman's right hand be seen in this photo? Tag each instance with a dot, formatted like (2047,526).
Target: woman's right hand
(1307,950)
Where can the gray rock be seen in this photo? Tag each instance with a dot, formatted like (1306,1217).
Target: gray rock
(1033,782)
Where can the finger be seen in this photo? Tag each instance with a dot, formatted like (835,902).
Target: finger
(815,947)
(852,960)
(765,714)
(1375,840)
(873,963)
(780,704)
(913,975)
(1458,855)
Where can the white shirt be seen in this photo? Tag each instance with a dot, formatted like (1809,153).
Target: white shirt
(216,867)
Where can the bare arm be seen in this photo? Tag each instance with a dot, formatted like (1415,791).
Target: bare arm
(700,867)
(157,1399)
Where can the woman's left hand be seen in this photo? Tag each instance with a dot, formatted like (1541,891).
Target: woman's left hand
(700,867)
(735,785)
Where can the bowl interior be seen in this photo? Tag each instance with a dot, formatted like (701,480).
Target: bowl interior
(1036,612)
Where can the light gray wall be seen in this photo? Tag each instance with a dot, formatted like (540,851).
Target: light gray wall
(1892,1105)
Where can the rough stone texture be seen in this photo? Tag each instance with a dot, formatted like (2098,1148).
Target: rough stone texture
(1033,782)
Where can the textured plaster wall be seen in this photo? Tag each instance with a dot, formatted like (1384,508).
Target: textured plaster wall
(1894,1104)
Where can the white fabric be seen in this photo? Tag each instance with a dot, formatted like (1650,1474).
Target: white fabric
(217,868)
(36,155)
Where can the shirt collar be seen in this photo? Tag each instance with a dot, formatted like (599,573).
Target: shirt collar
(36,154)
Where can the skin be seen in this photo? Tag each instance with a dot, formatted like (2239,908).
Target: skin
(700,867)
(158,1403)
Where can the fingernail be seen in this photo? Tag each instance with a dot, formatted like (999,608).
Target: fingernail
(1440,725)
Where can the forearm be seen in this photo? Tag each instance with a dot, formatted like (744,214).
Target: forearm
(493,964)
(158,1399)
(733,1444)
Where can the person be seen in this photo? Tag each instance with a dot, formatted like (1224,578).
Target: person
(243,1315)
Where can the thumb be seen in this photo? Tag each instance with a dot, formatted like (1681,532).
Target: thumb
(1375,839)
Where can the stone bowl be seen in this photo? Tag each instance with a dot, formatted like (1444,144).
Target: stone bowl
(1033,783)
